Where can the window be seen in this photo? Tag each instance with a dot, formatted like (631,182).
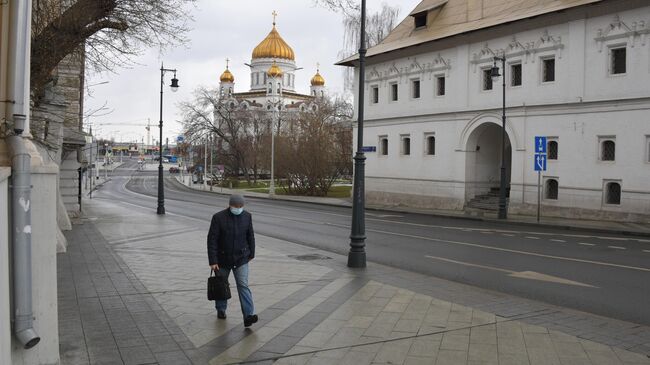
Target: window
(393,92)
(608,150)
(420,20)
(487,79)
(613,193)
(383,145)
(551,189)
(647,146)
(548,70)
(618,62)
(552,149)
(406,145)
(440,85)
(515,74)
(257,78)
(431,145)
(374,95)
(415,89)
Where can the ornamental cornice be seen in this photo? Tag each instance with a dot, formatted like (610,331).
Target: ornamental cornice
(619,30)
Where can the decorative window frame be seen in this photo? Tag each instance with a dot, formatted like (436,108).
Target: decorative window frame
(609,61)
(619,31)
(601,140)
(425,141)
(412,90)
(509,64)
(402,150)
(414,69)
(550,139)
(543,58)
(435,85)
(545,180)
(604,193)
(390,92)
(481,84)
(380,151)
(371,98)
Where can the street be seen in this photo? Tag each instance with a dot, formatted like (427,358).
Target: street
(602,274)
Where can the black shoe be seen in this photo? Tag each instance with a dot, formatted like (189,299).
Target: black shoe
(221,314)
(248,321)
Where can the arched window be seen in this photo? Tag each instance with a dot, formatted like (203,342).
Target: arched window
(551,189)
(613,193)
(279,87)
(384,146)
(608,150)
(406,146)
(322,94)
(552,150)
(431,145)
(313,92)
(270,88)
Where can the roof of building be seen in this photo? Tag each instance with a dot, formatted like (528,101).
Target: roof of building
(273,46)
(447,18)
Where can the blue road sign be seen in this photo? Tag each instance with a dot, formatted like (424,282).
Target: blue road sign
(540,162)
(369,149)
(540,144)
(180,139)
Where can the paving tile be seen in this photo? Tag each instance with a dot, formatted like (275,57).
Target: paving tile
(451,357)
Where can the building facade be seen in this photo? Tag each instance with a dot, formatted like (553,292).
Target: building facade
(575,73)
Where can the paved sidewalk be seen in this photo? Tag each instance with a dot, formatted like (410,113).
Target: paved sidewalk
(132,291)
(642,229)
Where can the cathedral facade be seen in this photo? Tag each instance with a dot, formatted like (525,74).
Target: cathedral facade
(272,79)
(575,72)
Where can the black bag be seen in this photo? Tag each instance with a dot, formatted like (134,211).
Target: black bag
(218,287)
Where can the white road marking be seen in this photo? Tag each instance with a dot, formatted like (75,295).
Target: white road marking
(556,240)
(514,251)
(648,251)
(617,247)
(507,234)
(532,238)
(586,244)
(531,275)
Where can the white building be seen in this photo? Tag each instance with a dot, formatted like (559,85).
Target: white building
(273,68)
(576,71)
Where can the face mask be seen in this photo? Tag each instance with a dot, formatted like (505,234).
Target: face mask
(236,211)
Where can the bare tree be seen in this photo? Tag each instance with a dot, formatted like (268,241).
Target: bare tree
(241,130)
(318,149)
(112,31)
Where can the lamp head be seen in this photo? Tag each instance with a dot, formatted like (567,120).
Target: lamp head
(174,85)
(19,123)
(494,72)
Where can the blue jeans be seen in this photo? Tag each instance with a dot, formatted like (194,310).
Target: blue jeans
(245,295)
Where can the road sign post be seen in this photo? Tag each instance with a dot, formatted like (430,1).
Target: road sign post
(539,162)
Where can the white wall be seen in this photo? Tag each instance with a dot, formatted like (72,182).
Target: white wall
(585,101)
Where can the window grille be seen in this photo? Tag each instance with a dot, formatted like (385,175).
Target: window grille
(548,74)
(384,146)
(375,94)
(393,93)
(552,150)
(406,146)
(431,145)
(608,152)
(618,60)
(515,75)
(613,193)
(487,79)
(416,89)
(440,81)
(551,189)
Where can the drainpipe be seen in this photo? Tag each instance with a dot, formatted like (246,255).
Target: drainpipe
(21,218)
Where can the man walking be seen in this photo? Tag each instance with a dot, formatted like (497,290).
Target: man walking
(231,245)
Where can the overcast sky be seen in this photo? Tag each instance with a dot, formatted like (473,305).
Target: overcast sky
(221,29)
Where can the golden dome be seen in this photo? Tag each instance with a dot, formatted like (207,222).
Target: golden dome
(317,80)
(227,76)
(274,70)
(273,46)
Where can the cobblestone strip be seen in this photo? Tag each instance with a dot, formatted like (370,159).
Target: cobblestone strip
(106,315)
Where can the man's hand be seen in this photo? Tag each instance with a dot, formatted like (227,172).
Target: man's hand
(214,267)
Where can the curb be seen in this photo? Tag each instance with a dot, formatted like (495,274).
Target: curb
(441,215)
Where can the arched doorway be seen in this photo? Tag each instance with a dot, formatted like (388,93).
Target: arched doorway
(483,161)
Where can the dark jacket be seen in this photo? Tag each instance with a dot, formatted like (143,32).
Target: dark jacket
(231,240)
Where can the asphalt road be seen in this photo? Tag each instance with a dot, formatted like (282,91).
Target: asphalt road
(603,274)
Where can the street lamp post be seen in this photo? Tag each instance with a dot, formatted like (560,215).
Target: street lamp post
(275,119)
(357,253)
(494,73)
(174,88)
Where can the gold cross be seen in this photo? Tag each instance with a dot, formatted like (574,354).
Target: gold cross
(274,13)
(317,66)
(227,62)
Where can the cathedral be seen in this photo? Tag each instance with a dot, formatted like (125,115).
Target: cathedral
(272,85)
